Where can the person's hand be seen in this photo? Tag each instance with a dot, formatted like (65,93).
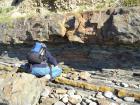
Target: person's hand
(43,45)
(56,66)
(52,66)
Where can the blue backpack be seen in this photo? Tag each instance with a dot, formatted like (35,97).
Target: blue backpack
(37,53)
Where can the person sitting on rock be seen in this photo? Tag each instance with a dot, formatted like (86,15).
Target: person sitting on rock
(42,63)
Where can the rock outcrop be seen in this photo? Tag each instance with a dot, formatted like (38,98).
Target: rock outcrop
(120,25)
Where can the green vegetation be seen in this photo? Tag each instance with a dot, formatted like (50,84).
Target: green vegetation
(5,19)
(31,8)
(100,5)
(4,14)
(131,2)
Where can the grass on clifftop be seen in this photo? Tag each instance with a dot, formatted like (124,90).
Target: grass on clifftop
(5,14)
(131,2)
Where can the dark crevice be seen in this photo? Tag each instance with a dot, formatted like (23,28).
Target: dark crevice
(16,2)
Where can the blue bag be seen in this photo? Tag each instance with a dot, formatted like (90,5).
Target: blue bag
(37,47)
(37,54)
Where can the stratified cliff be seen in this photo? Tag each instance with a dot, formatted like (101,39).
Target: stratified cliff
(93,21)
(102,22)
(119,25)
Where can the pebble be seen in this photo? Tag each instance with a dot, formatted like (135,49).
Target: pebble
(88,101)
(89,97)
(75,99)
(124,84)
(62,96)
(71,92)
(117,83)
(65,99)
(74,76)
(93,95)
(129,99)
(83,103)
(51,96)
(93,73)
(69,88)
(61,91)
(134,86)
(78,104)
(103,101)
(45,93)
(68,104)
(117,99)
(113,103)
(93,99)
(84,75)
(114,98)
(123,104)
(59,103)
(99,95)
(108,94)
(93,103)
(56,95)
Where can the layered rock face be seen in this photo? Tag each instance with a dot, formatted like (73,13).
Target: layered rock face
(120,25)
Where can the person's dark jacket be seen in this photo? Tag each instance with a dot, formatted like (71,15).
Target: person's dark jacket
(50,59)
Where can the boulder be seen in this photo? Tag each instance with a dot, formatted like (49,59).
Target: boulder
(59,103)
(49,101)
(75,99)
(99,95)
(123,27)
(61,91)
(20,89)
(46,91)
(108,94)
(56,25)
(129,99)
(85,75)
(65,99)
